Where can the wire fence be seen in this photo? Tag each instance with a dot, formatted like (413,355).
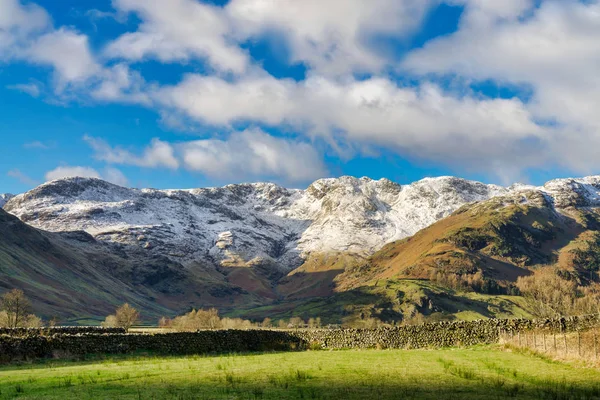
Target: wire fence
(582,344)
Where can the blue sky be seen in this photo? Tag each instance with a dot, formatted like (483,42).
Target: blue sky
(191,93)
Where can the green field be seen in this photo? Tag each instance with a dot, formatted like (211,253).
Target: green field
(474,373)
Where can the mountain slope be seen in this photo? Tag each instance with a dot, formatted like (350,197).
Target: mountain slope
(247,225)
(4,198)
(261,250)
(71,275)
(463,266)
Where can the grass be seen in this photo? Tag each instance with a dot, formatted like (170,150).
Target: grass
(395,297)
(474,373)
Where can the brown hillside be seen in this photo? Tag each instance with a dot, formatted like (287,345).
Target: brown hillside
(502,238)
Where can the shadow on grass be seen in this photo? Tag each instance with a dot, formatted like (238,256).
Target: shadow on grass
(467,385)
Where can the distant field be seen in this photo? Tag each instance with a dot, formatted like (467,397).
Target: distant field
(475,373)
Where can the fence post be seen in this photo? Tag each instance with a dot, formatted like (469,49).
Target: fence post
(534,341)
(544,338)
(554,334)
(565,339)
(579,343)
(595,347)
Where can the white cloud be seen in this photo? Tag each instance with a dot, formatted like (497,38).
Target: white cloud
(32,89)
(551,48)
(157,154)
(422,122)
(119,83)
(26,34)
(17,23)
(37,144)
(67,52)
(115,176)
(95,15)
(217,101)
(69,172)
(21,177)
(179,31)
(112,175)
(253,154)
(554,50)
(332,38)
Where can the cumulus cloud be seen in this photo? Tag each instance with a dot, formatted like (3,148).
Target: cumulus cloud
(253,154)
(115,176)
(157,154)
(18,22)
(332,39)
(183,30)
(112,175)
(70,172)
(423,122)
(348,99)
(553,49)
(67,52)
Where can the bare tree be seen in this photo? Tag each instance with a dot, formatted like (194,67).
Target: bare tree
(125,317)
(17,308)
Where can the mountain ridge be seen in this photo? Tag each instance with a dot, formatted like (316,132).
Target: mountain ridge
(248,223)
(265,224)
(259,245)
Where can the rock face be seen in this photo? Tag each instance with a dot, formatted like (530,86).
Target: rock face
(262,223)
(4,198)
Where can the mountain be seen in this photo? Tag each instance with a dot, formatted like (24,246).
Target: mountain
(4,198)
(463,266)
(250,224)
(262,250)
(71,274)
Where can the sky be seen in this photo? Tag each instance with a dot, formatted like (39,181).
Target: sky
(195,93)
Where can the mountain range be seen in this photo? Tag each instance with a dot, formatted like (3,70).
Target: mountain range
(80,246)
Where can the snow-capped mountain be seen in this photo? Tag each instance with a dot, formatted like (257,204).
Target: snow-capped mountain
(4,198)
(262,223)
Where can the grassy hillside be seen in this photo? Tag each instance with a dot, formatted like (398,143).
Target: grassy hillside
(392,301)
(72,276)
(475,373)
(503,238)
(464,266)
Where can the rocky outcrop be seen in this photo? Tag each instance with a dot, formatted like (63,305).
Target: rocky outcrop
(4,198)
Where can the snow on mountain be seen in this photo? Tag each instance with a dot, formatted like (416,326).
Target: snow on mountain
(262,223)
(4,198)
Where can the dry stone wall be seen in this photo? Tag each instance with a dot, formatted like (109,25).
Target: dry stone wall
(29,344)
(68,330)
(441,334)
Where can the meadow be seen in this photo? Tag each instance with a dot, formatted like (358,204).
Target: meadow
(481,372)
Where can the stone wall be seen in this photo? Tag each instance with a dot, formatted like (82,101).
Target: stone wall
(230,341)
(53,343)
(68,330)
(441,334)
